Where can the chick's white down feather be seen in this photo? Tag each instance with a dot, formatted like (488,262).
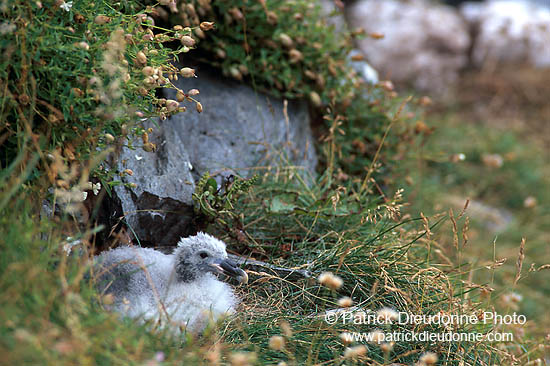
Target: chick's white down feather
(177,290)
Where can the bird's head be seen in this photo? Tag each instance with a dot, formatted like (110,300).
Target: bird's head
(198,255)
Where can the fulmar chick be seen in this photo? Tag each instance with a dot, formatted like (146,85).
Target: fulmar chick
(179,290)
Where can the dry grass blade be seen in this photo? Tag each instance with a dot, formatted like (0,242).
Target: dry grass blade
(455,229)
(466,204)
(465,230)
(521,257)
(496,263)
(426,225)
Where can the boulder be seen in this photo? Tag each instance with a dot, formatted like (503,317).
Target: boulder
(513,32)
(159,209)
(425,44)
(239,132)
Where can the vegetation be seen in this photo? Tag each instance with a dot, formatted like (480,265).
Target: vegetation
(283,48)
(510,202)
(78,78)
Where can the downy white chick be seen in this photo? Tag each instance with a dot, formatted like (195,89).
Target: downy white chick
(179,290)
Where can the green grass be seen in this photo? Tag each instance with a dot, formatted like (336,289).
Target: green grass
(348,220)
(524,172)
(51,315)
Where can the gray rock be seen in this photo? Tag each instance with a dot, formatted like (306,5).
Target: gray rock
(159,209)
(241,131)
(509,32)
(425,44)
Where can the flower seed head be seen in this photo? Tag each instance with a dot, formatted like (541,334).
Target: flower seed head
(180,96)
(346,338)
(530,202)
(148,71)
(234,72)
(149,147)
(272,18)
(24,99)
(428,358)
(83,45)
(315,99)
(330,280)
(206,26)
(295,56)
(345,302)
(387,347)
(187,72)
(187,41)
(386,85)
(141,58)
(199,107)
(355,352)
(286,40)
(172,105)
(236,14)
(242,358)
(102,19)
(221,53)
(286,328)
(276,343)
(492,160)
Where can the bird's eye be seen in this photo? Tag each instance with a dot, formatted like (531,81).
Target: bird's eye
(203,255)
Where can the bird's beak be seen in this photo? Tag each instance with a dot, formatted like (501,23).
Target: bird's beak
(229,268)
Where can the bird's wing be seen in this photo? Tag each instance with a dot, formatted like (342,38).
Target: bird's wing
(132,272)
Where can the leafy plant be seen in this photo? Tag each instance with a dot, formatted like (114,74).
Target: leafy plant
(216,202)
(78,77)
(288,49)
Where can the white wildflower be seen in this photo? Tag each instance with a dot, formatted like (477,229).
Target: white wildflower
(67,5)
(96,188)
